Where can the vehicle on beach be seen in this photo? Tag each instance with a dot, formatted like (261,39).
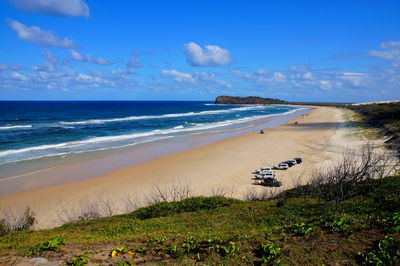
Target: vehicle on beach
(298,160)
(264,176)
(290,163)
(265,170)
(281,166)
(271,182)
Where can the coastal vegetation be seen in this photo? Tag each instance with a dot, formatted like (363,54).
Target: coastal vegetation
(288,230)
(247,100)
(385,116)
(347,214)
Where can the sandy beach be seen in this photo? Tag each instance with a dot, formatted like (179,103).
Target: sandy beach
(319,137)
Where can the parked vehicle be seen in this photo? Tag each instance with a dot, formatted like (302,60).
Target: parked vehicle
(263,176)
(290,163)
(298,160)
(271,182)
(281,166)
(265,170)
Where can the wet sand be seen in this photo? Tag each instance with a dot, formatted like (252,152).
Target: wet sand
(226,164)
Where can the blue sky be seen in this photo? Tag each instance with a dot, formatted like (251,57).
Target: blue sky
(197,50)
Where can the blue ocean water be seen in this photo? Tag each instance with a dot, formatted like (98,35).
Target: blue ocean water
(31,130)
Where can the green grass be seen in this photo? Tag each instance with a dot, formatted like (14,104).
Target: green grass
(217,230)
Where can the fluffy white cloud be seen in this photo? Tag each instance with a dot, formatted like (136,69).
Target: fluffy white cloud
(391,51)
(178,76)
(36,35)
(17,76)
(209,56)
(203,80)
(48,64)
(66,8)
(88,58)
(300,77)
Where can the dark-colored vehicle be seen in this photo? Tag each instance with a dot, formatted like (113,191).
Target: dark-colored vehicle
(298,160)
(271,182)
(290,163)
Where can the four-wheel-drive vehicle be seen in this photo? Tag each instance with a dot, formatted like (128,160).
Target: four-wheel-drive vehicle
(263,176)
(271,182)
(290,162)
(281,166)
(298,160)
(265,170)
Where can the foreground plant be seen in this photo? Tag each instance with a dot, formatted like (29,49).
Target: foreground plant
(387,252)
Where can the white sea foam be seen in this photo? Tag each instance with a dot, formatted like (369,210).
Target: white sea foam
(109,142)
(15,127)
(132,118)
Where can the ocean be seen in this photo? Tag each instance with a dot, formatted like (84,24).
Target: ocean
(40,129)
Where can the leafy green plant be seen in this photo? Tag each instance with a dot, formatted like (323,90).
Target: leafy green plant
(395,223)
(171,250)
(53,244)
(338,224)
(387,252)
(160,239)
(190,244)
(268,252)
(231,249)
(118,251)
(299,229)
(79,260)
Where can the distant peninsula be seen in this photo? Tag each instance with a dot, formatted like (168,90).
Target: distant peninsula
(247,100)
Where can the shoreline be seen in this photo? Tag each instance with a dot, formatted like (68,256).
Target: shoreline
(317,138)
(96,163)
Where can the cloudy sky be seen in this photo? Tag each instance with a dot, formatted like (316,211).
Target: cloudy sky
(198,49)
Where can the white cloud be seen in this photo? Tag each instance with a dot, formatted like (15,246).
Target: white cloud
(300,77)
(390,45)
(178,76)
(36,35)
(17,76)
(88,58)
(48,64)
(209,56)
(391,51)
(66,8)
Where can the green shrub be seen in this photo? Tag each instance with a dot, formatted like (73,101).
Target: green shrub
(82,259)
(387,252)
(268,252)
(230,250)
(338,224)
(299,229)
(163,209)
(53,244)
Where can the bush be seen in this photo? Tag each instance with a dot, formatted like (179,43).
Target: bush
(299,229)
(387,252)
(163,209)
(357,173)
(268,252)
(20,222)
(53,244)
(338,224)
